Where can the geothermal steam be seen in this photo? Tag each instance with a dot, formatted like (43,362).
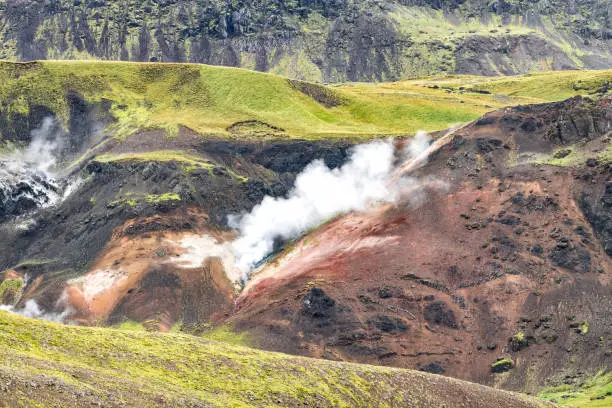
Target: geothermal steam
(45,147)
(321,193)
(32,309)
(27,178)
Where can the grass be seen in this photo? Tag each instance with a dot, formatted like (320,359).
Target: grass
(596,392)
(425,25)
(606,156)
(163,198)
(131,200)
(531,88)
(79,364)
(12,288)
(130,325)
(190,161)
(209,100)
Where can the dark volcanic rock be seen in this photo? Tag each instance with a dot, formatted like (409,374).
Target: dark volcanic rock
(597,207)
(533,203)
(438,312)
(528,49)
(317,304)
(573,259)
(389,324)
(328,40)
(434,368)
(488,145)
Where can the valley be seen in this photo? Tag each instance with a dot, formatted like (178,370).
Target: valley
(473,245)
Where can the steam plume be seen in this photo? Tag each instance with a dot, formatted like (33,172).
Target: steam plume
(321,193)
(45,146)
(29,178)
(32,309)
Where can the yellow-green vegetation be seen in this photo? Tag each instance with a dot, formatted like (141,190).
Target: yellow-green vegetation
(519,340)
(223,333)
(33,263)
(424,24)
(163,198)
(606,156)
(130,202)
(131,325)
(10,291)
(131,199)
(596,392)
(574,155)
(502,365)
(564,157)
(51,364)
(584,327)
(531,88)
(190,161)
(210,100)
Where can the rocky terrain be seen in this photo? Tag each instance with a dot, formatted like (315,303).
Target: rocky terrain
(323,40)
(492,264)
(508,261)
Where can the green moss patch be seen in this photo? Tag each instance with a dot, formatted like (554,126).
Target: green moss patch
(502,365)
(595,392)
(163,198)
(10,291)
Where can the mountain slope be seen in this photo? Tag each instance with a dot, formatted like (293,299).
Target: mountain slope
(124,98)
(500,250)
(161,154)
(328,40)
(45,363)
(487,273)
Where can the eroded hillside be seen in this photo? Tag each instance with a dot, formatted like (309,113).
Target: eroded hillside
(492,264)
(324,41)
(505,256)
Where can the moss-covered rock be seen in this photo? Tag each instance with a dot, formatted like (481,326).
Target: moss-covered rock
(10,291)
(502,365)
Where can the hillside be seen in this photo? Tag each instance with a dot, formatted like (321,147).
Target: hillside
(238,104)
(322,40)
(121,183)
(500,249)
(143,139)
(48,364)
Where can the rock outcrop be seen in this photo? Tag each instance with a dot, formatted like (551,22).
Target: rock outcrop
(328,41)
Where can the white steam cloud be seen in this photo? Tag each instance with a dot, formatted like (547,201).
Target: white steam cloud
(44,148)
(32,309)
(321,193)
(35,167)
(418,144)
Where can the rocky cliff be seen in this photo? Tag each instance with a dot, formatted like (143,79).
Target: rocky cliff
(319,40)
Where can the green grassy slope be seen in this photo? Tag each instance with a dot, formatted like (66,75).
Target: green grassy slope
(596,392)
(209,100)
(44,364)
